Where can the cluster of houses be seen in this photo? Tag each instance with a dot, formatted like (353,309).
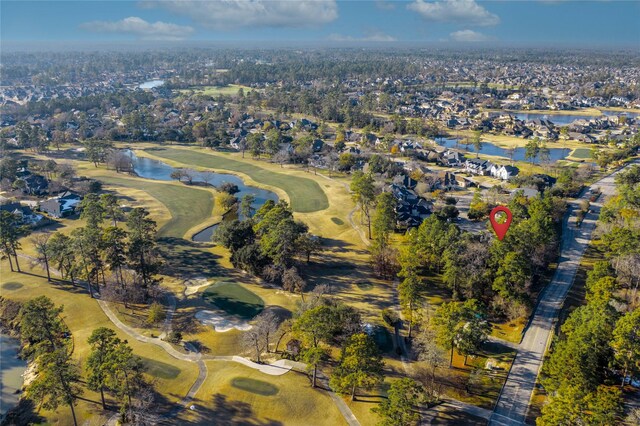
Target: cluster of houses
(410,209)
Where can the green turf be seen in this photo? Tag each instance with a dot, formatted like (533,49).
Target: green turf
(254,386)
(160,369)
(11,285)
(584,153)
(188,206)
(305,194)
(365,286)
(234,299)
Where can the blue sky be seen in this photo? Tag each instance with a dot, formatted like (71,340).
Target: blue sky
(465,22)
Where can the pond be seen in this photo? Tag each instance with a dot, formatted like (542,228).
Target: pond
(11,370)
(488,148)
(150,168)
(151,84)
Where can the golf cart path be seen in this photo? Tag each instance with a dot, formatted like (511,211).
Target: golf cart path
(277,368)
(513,402)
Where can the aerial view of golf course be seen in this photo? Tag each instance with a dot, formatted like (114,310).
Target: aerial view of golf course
(319,213)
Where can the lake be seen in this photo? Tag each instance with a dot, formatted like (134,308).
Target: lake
(11,370)
(488,148)
(151,84)
(150,168)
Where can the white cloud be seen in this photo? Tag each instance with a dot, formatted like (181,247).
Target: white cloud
(469,36)
(233,14)
(374,36)
(139,27)
(385,5)
(457,11)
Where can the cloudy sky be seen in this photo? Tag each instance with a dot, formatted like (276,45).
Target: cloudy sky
(536,22)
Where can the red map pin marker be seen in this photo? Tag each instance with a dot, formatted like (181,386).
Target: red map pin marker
(500,228)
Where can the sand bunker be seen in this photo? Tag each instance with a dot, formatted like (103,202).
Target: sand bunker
(221,321)
(193,285)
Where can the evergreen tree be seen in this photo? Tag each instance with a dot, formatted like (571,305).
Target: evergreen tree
(400,407)
(103,342)
(360,366)
(56,382)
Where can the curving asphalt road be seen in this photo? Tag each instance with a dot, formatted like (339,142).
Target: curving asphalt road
(512,405)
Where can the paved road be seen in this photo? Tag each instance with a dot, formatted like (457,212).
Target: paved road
(512,405)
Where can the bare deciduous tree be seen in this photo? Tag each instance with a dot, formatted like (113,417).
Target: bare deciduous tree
(292,282)
(41,244)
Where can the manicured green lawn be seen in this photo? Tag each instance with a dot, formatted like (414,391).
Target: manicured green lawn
(305,194)
(188,206)
(254,386)
(234,299)
(221,401)
(581,153)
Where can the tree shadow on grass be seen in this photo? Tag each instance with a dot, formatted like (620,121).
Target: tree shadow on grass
(160,369)
(340,246)
(187,259)
(61,284)
(222,411)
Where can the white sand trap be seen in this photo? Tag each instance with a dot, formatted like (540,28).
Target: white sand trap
(278,368)
(221,321)
(193,285)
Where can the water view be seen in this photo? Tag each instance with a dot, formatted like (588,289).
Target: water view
(150,168)
(488,148)
(11,370)
(151,84)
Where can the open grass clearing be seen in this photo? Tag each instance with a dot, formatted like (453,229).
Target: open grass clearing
(305,195)
(228,401)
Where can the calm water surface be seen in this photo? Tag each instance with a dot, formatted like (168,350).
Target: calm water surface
(488,148)
(151,84)
(11,370)
(150,168)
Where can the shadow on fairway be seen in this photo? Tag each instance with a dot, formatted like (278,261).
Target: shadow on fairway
(223,411)
(186,259)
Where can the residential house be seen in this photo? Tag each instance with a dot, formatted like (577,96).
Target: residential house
(63,205)
(317,145)
(478,167)
(503,172)
(451,158)
(34,184)
(26,215)
(410,209)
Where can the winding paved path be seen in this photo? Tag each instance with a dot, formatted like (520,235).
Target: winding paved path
(513,403)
